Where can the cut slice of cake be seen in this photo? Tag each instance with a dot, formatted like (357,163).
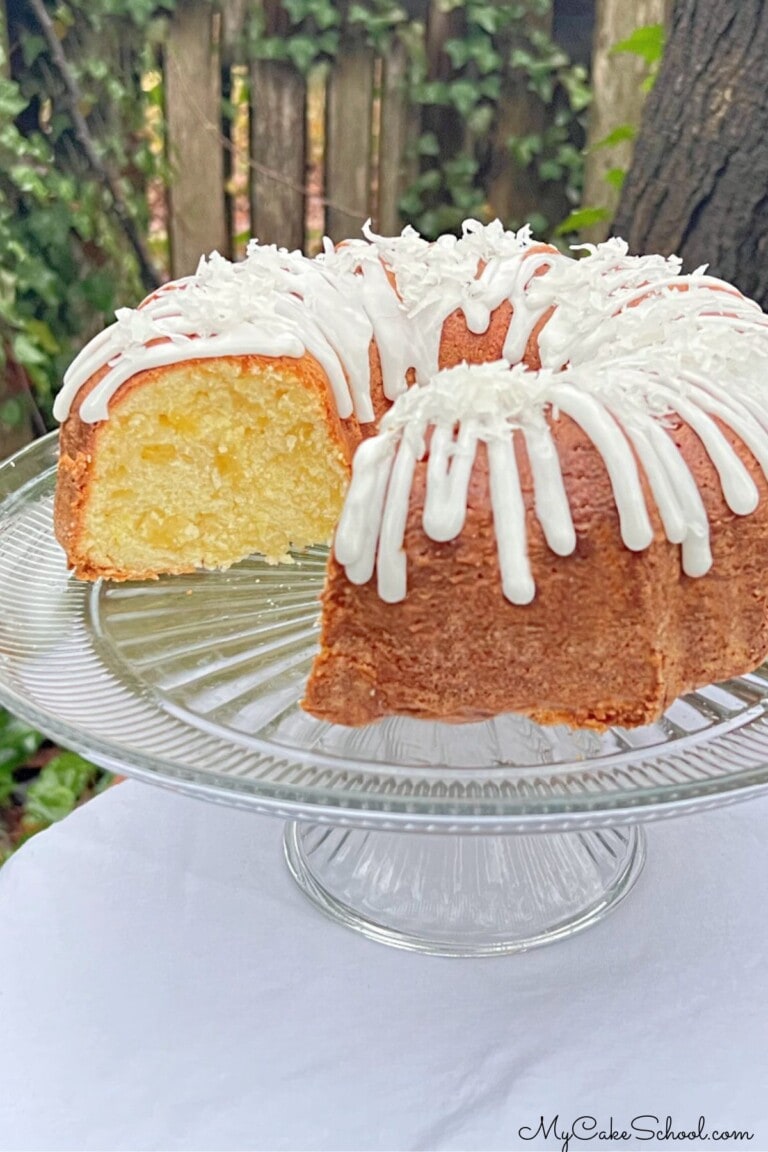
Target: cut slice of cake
(201,464)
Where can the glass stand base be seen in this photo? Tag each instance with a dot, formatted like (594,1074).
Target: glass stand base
(455,895)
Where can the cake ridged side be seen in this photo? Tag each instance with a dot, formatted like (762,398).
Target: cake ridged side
(612,637)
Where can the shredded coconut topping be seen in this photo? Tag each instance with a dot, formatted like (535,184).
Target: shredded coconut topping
(424,270)
(494,396)
(609,303)
(274,302)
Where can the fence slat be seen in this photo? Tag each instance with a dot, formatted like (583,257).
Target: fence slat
(197,220)
(515,193)
(278,151)
(348,141)
(398,126)
(5,65)
(233,21)
(233,30)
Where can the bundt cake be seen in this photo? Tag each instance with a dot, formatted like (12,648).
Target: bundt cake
(557,503)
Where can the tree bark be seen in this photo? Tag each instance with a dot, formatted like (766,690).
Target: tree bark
(699,181)
(617,100)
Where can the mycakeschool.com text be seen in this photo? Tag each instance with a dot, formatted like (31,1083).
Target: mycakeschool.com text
(567,1135)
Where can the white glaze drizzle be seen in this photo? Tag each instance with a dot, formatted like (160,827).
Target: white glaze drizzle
(279,303)
(551,501)
(595,420)
(509,522)
(392,563)
(622,405)
(273,303)
(610,304)
(472,274)
(607,311)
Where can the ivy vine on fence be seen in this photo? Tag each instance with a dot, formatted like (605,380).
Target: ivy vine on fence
(77,158)
(495,41)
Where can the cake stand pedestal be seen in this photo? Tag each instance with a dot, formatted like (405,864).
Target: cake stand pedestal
(462,840)
(464,895)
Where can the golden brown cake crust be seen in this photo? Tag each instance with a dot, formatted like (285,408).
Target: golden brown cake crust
(612,637)
(77,441)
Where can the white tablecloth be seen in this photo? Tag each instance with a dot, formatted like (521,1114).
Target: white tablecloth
(163,985)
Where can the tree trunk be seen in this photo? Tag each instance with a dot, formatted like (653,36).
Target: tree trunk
(617,100)
(699,182)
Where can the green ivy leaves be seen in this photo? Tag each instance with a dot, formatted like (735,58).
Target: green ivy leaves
(17,743)
(37,800)
(647,43)
(315,28)
(64,262)
(59,787)
(497,42)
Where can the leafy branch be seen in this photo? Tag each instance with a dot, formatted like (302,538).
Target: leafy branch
(66,259)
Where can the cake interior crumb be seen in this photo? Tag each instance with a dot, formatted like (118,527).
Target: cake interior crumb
(210,463)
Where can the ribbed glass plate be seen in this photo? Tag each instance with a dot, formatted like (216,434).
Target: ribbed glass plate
(195,682)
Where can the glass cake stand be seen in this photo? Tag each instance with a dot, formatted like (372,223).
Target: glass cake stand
(455,839)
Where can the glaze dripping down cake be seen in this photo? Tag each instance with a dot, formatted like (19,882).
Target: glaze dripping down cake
(558,466)
(544,546)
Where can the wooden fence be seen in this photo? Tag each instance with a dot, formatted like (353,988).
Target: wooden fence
(300,188)
(317,154)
